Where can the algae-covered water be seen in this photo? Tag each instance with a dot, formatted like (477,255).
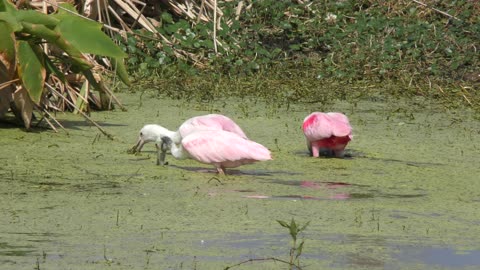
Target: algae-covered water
(406,197)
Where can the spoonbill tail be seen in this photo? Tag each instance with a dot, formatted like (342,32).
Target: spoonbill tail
(329,132)
(220,148)
(153,133)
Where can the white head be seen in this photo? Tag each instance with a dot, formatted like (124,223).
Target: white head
(151,133)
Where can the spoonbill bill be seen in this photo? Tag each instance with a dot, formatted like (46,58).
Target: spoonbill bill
(329,132)
(153,133)
(220,148)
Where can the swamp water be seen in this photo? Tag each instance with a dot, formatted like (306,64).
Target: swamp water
(407,197)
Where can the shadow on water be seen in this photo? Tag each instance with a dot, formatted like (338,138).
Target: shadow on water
(73,124)
(349,154)
(231,171)
(409,163)
(13,250)
(342,190)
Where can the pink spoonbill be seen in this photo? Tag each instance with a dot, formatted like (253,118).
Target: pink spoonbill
(329,132)
(153,133)
(220,148)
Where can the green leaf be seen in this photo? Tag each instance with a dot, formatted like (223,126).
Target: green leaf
(293,229)
(167,17)
(52,69)
(53,37)
(81,105)
(7,52)
(31,70)
(35,17)
(7,6)
(299,249)
(88,37)
(121,70)
(283,223)
(304,226)
(11,21)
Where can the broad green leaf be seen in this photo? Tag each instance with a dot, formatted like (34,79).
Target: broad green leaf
(81,104)
(88,37)
(35,17)
(7,52)
(121,70)
(11,20)
(31,70)
(55,38)
(7,6)
(52,69)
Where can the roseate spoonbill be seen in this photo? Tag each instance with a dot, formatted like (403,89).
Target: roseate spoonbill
(152,133)
(329,132)
(222,149)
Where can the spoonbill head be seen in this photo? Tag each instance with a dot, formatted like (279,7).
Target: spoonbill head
(151,133)
(327,132)
(220,148)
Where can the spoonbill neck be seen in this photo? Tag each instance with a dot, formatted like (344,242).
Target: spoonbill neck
(177,151)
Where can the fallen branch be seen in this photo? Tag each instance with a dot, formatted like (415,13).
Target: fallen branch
(110,136)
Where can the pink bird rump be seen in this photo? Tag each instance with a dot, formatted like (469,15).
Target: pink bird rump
(223,149)
(210,122)
(327,131)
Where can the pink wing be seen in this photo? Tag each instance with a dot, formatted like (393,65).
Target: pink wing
(218,146)
(210,122)
(318,126)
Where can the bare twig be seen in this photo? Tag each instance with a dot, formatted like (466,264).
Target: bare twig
(215,26)
(54,119)
(263,259)
(110,136)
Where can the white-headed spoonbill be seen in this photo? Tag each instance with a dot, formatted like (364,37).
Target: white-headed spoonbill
(153,133)
(222,149)
(328,132)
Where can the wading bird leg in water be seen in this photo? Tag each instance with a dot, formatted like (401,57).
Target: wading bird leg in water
(161,152)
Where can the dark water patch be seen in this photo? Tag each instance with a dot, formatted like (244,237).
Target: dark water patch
(358,260)
(340,196)
(377,194)
(51,184)
(245,190)
(74,124)
(88,187)
(408,213)
(315,184)
(409,163)
(438,256)
(349,154)
(15,250)
(228,171)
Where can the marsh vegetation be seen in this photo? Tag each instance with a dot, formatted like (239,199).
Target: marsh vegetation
(406,195)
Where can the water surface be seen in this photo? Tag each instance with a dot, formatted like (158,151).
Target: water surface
(406,197)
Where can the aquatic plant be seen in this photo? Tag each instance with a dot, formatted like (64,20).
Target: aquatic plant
(44,63)
(294,230)
(296,250)
(422,49)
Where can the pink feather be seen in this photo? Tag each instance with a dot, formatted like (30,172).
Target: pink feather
(327,131)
